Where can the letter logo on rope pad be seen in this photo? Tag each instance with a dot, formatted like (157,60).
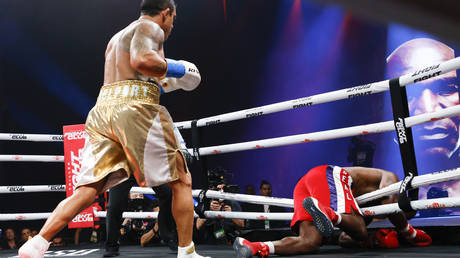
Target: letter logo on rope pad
(56,188)
(401,128)
(406,183)
(403,198)
(254,114)
(57,138)
(426,69)
(18,137)
(427,77)
(436,205)
(16,189)
(359,88)
(213,122)
(358,91)
(302,105)
(359,94)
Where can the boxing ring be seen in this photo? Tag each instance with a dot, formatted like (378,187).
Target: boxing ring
(357,91)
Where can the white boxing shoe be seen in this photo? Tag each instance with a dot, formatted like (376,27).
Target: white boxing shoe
(34,248)
(189,252)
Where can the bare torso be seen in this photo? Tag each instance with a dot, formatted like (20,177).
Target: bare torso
(365,180)
(117,56)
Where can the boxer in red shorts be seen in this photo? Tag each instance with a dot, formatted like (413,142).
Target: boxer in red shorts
(324,198)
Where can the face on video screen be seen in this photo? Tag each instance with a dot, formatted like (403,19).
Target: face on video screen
(440,138)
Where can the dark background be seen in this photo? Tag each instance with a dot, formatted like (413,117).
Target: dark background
(250,53)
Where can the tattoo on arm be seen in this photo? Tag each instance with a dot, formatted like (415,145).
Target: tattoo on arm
(147,44)
(146,38)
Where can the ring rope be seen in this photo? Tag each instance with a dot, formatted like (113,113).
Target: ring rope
(371,88)
(330,134)
(31,188)
(130,214)
(283,202)
(355,91)
(32,158)
(439,203)
(31,137)
(249,215)
(256,199)
(418,181)
(154,215)
(24,216)
(286,140)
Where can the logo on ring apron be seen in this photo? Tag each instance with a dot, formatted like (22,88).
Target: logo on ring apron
(74,141)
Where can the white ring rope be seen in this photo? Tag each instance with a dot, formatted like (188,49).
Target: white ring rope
(31,188)
(32,158)
(154,215)
(439,203)
(249,215)
(210,215)
(329,134)
(130,214)
(257,199)
(372,88)
(418,181)
(24,216)
(31,137)
(355,91)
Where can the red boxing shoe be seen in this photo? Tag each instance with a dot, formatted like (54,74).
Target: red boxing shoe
(421,238)
(416,237)
(245,248)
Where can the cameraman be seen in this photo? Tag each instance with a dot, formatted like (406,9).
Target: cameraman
(218,231)
(133,229)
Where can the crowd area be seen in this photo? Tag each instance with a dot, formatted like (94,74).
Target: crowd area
(145,232)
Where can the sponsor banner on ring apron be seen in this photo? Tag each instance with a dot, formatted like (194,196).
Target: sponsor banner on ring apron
(74,141)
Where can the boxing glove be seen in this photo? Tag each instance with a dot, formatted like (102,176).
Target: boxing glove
(180,75)
(386,238)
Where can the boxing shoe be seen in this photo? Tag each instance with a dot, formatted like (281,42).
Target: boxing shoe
(34,248)
(385,238)
(416,237)
(323,217)
(111,251)
(189,252)
(245,248)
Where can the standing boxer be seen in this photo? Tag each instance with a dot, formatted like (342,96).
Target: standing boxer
(128,131)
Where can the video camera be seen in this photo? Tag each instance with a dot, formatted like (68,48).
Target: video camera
(217,176)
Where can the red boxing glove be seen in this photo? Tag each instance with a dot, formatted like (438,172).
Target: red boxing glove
(386,238)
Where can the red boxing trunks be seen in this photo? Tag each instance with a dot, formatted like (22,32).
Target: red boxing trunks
(330,185)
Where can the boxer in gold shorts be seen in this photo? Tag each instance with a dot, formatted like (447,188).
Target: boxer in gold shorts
(128,131)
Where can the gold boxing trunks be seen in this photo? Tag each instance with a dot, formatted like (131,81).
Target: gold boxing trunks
(129,133)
